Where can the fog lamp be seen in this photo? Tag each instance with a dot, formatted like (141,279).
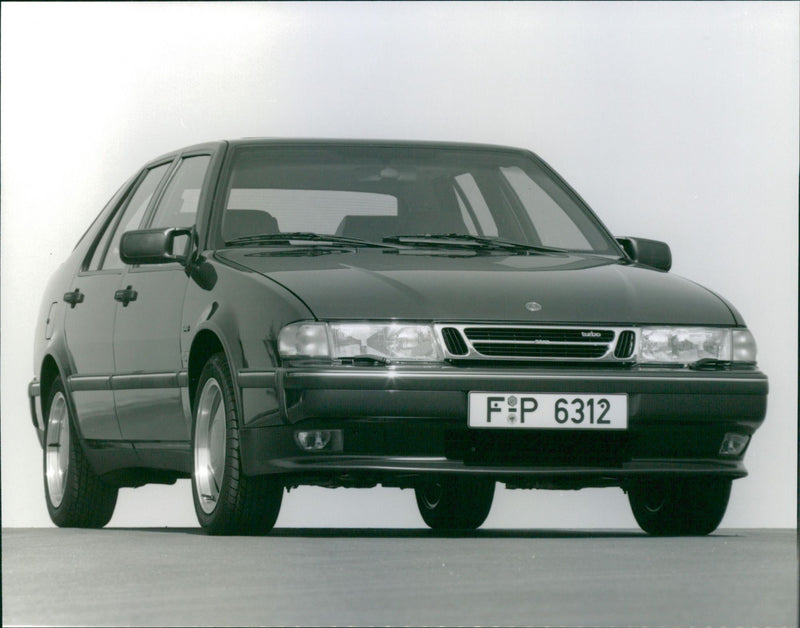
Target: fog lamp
(733,444)
(319,440)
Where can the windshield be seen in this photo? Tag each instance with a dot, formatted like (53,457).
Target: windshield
(371,193)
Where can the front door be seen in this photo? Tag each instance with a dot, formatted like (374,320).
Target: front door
(148,356)
(151,399)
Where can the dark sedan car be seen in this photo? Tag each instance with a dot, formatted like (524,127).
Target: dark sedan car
(263,314)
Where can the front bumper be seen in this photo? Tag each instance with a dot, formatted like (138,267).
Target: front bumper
(400,423)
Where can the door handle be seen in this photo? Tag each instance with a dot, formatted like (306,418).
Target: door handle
(126,296)
(74,297)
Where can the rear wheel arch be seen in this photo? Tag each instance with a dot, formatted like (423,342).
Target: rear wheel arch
(74,494)
(49,373)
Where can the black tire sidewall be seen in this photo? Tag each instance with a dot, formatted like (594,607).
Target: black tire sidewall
(246,505)
(463,504)
(88,502)
(59,514)
(688,507)
(215,369)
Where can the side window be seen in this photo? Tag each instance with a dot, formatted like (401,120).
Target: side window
(97,256)
(134,213)
(178,205)
(97,253)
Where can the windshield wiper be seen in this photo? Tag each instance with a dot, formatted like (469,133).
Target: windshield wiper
(285,238)
(465,240)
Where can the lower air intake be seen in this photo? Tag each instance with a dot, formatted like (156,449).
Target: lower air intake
(625,345)
(454,341)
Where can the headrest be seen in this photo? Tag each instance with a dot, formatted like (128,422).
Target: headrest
(237,223)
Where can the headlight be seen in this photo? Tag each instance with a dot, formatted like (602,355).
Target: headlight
(307,340)
(686,345)
(393,342)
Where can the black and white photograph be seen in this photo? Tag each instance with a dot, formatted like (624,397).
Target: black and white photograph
(399,313)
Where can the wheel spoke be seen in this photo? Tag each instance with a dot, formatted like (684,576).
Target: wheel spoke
(209,445)
(57,450)
(213,475)
(215,403)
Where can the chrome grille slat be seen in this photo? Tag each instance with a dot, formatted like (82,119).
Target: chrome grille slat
(532,350)
(519,334)
(538,342)
(542,342)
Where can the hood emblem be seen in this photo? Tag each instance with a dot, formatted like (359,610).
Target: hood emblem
(533,306)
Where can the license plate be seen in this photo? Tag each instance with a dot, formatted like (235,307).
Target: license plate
(559,411)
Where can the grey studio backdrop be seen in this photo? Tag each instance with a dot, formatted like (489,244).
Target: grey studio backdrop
(675,121)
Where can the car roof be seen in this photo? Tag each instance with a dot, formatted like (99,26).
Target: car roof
(253,141)
(283,142)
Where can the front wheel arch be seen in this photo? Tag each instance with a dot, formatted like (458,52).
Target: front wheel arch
(205,345)
(236,503)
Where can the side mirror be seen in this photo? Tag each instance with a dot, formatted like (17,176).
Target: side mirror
(154,246)
(648,252)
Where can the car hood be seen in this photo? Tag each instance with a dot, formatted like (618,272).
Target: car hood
(424,285)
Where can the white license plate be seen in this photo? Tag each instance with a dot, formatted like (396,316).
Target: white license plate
(559,411)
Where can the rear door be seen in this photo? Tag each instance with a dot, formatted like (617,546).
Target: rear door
(89,323)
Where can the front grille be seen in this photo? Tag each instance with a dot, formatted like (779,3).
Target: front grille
(515,342)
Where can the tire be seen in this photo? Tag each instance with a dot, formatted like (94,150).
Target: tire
(683,507)
(76,497)
(225,500)
(455,503)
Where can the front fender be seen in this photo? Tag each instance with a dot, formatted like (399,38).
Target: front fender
(245,311)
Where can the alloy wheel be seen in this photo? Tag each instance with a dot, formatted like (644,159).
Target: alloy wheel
(57,456)
(209,445)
